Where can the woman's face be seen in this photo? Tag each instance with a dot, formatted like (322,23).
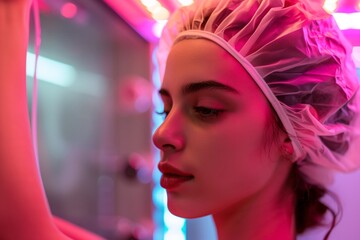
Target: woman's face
(213,137)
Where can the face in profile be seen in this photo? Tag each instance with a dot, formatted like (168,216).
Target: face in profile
(213,139)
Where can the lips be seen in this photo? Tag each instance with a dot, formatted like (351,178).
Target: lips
(172,177)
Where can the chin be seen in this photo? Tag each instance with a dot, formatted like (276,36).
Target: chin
(187,212)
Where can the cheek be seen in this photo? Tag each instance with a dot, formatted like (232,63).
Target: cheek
(237,138)
(230,152)
(229,162)
(228,166)
(233,155)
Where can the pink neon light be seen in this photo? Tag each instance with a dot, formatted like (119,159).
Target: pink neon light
(69,10)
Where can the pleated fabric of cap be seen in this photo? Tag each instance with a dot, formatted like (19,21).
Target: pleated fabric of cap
(300,60)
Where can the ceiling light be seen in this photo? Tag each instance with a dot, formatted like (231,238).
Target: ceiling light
(185,2)
(330,6)
(150,5)
(160,13)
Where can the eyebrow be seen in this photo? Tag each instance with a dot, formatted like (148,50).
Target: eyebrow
(198,86)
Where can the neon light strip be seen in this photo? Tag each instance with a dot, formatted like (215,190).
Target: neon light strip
(347,20)
(158,27)
(175,226)
(50,70)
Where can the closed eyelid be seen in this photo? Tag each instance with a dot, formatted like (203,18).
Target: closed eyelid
(219,97)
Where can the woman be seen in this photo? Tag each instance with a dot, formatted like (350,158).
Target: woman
(213,142)
(260,105)
(251,116)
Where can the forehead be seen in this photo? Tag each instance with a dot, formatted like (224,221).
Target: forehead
(195,60)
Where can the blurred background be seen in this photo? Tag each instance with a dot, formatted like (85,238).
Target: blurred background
(97,75)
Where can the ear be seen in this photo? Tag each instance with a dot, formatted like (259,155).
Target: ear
(287,149)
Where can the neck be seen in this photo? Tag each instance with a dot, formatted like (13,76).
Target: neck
(261,217)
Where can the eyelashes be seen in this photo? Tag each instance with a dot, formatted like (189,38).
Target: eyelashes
(199,112)
(206,113)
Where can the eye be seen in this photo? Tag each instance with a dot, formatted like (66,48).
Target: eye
(206,113)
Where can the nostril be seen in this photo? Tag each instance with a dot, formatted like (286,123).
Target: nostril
(168,146)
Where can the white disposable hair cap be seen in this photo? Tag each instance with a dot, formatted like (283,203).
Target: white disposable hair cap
(300,60)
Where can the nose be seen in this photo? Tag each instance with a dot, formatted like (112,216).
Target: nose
(169,135)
